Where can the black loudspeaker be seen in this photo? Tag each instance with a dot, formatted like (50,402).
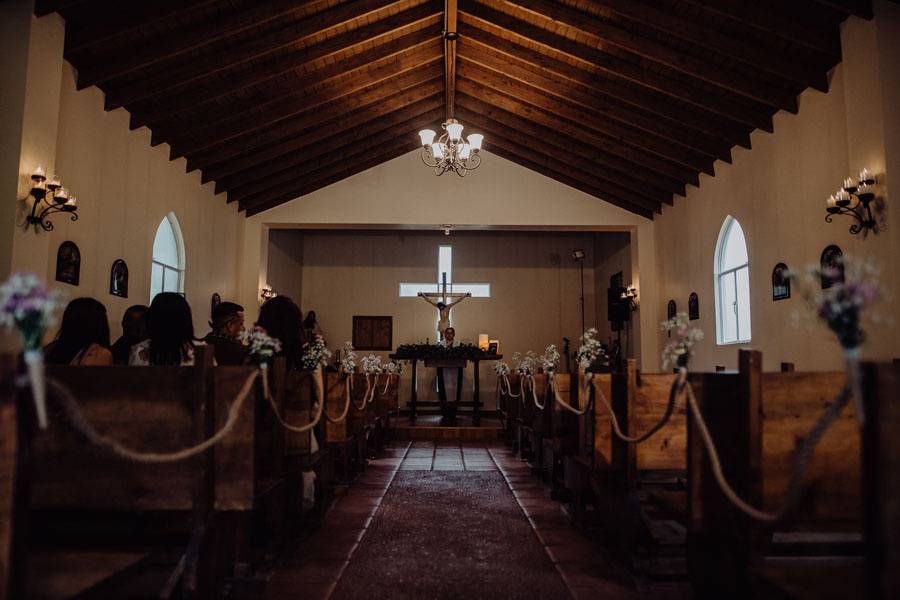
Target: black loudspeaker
(617,310)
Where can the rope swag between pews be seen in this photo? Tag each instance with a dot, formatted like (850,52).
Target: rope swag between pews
(529,379)
(801,458)
(509,392)
(565,404)
(73,412)
(348,387)
(320,403)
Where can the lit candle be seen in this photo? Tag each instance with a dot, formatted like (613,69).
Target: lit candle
(483,341)
(848,184)
(71,201)
(831,202)
(39,171)
(843,197)
(61,194)
(865,176)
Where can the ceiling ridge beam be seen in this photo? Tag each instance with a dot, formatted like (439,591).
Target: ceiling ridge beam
(554,14)
(711,124)
(450,34)
(242,52)
(208,134)
(191,97)
(291,135)
(724,104)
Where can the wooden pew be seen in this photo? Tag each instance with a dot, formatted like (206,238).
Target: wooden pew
(509,407)
(562,440)
(12,502)
(756,420)
(346,439)
(84,501)
(387,404)
(881,480)
(532,422)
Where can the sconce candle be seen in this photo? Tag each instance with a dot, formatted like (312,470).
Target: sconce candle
(855,200)
(483,341)
(49,197)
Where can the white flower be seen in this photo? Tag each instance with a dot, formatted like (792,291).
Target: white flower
(393,368)
(316,354)
(550,358)
(501,368)
(678,351)
(590,350)
(262,346)
(371,364)
(348,358)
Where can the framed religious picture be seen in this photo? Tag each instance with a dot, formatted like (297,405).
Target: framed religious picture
(492,348)
(373,333)
(693,307)
(671,311)
(68,263)
(832,264)
(781,283)
(214,302)
(118,279)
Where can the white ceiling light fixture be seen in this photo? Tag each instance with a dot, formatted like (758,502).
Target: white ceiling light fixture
(451,151)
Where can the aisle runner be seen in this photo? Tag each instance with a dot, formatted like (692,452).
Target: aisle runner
(449,534)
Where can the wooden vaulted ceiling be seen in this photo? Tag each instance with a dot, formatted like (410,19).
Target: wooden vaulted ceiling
(626,100)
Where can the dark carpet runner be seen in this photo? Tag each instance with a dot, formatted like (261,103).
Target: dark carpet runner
(450,534)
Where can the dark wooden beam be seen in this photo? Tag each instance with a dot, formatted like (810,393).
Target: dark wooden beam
(327,177)
(769,18)
(353,66)
(722,103)
(552,15)
(292,135)
(183,72)
(345,152)
(704,38)
(646,130)
(609,151)
(613,167)
(381,36)
(560,160)
(451,19)
(420,63)
(857,8)
(130,19)
(595,128)
(376,133)
(543,166)
(43,8)
(666,107)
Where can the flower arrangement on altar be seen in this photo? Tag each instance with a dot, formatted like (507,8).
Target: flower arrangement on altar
(437,351)
(841,306)
(262,346)
(316,354)
(678,351)
(371,365)
(348,358)
(591,354)
(27,306)
(549,359)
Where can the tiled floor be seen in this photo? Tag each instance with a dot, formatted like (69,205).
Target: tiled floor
(313,568)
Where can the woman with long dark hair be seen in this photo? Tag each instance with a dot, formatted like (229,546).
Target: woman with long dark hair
(83,337)
(170,334)
(282,320)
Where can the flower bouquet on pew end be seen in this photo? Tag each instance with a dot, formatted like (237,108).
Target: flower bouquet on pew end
(591,355)
(679,350)
(27,306)
(316,354)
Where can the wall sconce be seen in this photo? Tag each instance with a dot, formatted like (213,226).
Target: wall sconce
(855,199)
(630,295)
(267,293)
(49,197)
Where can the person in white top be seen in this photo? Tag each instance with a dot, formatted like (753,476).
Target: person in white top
(170,331)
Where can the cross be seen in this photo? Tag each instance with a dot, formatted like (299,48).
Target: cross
(438,292)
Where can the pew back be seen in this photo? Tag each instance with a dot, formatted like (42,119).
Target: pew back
(647,397)
(602,427)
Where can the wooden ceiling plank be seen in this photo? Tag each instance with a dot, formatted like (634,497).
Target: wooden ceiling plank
(615,168)
(615,66)
(190,97)
(597,127)
(42,8)
(790,68)
(354,65)
(209,134)
(187,71)
(769,19)
(628,162)
(248,151)
(649,100)
(856,8)
(130,19)
(195,36)
(579,167)
(328,177)
(669,57)
(636,125)
(376,132)
(296,175)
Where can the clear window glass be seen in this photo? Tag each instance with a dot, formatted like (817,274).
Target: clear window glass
(167,269)
(732,273)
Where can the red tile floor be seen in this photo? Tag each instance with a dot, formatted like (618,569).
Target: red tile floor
(314,567)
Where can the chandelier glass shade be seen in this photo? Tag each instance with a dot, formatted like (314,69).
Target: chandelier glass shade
(451,151)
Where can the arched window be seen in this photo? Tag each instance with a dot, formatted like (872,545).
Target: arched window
(167,270)
(732,285)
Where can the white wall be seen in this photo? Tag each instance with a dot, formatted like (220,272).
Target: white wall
(777,192)
(124,188)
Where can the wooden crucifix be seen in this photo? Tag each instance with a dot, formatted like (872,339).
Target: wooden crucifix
(444,301)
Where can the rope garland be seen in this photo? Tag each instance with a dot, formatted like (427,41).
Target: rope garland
(347,386)
(509,392)
(320,403)
(677,385)
(79,421)
(540,406)
(565,404)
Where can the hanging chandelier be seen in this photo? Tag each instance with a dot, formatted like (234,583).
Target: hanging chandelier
(451,151)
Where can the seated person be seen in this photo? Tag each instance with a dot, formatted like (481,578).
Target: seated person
(227,324)
(170,334)
(281,319)
(83,337)
(134,331)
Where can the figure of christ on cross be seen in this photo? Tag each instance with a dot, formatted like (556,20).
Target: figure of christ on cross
(444,301)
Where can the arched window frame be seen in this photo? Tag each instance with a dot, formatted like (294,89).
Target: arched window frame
(169,271)
(730,276)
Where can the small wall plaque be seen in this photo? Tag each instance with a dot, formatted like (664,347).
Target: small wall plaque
(693,307)
(781,284)
(671,311)
(832,259)
(118,279)
(68,263)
